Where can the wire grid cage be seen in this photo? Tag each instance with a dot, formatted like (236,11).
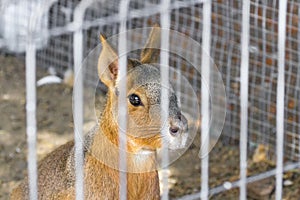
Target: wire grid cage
(186,17)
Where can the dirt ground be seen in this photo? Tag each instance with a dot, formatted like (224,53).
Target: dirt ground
(55,127)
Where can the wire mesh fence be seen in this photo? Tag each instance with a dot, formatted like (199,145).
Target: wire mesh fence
(225,51)
(55,50)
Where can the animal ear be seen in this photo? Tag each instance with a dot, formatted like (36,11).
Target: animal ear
(150,53)
(108,65)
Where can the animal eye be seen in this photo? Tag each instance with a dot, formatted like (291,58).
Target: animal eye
(135,100)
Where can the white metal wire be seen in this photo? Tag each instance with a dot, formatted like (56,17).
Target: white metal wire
(225,57)
(236,184)
(31,118)
(244,98)
(31,123)
(78,99)
(122,102)
(164,75)
(205,108)
(143,12)
(78,116)
(280,97)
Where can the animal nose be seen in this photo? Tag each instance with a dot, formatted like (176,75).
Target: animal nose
(174,130)
(178,125)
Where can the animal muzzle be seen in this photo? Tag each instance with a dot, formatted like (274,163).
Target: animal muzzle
(178,125)
(178,132)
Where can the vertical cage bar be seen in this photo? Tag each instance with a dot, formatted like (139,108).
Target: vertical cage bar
(244,98)
(78,114)
(280,97)
(164,75)
(122,103)
(205,112)
(31,122)
(31,129)
(78,97)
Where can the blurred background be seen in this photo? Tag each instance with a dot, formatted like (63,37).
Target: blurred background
(54,25)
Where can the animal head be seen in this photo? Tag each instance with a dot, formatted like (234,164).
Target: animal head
(143,97)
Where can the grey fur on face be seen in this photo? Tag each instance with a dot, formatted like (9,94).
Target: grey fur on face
(149,78)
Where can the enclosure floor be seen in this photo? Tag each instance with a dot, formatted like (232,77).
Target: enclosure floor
(55,127)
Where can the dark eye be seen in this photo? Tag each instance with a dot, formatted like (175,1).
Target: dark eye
(135,100)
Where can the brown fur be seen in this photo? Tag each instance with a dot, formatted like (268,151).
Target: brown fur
(56,178)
